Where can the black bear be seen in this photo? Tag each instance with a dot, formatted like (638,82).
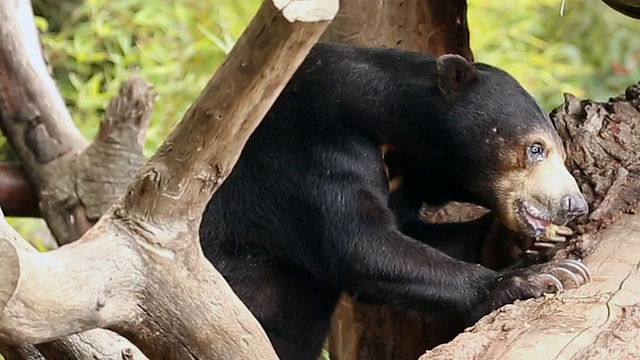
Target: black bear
(304,215)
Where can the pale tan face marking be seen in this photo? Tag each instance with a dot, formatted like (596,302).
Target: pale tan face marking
(542,183)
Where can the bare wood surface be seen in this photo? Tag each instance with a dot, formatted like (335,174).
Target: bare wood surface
(600,320)
(140,270)
(95,344)
(362,331)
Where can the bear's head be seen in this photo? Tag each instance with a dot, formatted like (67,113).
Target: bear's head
(504,153)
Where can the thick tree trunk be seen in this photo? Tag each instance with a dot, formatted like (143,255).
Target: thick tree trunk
(362,331)
(433,27)
(140,270)
(601,319)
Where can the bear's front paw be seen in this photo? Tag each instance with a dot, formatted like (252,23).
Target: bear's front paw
(533,281)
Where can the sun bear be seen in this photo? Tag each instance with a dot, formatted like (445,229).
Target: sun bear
(305,214)
(485,239)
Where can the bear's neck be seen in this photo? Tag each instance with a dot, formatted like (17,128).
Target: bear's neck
(399,111)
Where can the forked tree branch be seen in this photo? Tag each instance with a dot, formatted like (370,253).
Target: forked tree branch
(140,270)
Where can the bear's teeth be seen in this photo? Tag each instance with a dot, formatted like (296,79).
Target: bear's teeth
(537,213)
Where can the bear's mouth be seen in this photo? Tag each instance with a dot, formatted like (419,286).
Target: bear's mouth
(537,218)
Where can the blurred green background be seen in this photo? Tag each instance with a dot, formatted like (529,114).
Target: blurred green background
(591,51)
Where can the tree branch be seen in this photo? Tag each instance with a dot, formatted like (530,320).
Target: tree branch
(33,115)
(140,270)
(600,317)
(167,185)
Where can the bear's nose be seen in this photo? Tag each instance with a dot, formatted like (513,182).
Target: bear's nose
(575,206)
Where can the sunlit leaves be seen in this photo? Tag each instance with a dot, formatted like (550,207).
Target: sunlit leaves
(591,51)
(176,45)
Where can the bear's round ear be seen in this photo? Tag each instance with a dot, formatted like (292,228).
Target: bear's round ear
(455,73)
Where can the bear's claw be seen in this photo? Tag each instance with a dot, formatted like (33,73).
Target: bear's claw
(553,281)
(567,269)
(580,268)
(533,281)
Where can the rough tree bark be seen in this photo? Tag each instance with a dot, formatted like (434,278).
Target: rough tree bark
(434,27)
(362,331)
(601,319)
(140,270)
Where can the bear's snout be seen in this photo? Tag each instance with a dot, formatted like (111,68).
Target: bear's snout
(574,206)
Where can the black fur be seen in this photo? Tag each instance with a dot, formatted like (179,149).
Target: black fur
(304,215)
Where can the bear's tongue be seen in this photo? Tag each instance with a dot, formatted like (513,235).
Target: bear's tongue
(535,218)
(537,224)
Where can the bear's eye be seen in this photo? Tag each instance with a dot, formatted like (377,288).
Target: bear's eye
(536,152)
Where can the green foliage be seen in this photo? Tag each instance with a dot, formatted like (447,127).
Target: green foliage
(176,45)
(591,51)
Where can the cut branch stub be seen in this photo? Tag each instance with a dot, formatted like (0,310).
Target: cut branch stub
(105,169)
(99,176)
(128,114)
